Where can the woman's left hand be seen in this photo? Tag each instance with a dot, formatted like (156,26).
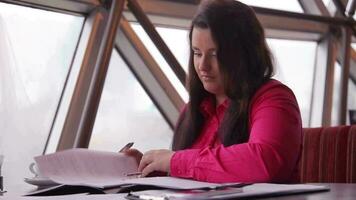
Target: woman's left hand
(155,160)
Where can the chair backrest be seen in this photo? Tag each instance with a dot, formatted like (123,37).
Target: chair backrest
(329,155)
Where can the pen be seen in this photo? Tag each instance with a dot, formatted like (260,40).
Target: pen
(1,179)
(126,147)
(134,174)
(131,196)
(233,185)
(1,160)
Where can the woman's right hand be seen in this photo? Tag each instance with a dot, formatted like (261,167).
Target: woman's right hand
(134,153)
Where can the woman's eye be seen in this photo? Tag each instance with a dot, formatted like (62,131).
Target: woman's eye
(197,53)
(213,53)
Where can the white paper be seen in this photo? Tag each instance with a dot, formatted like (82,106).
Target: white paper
(86,167)
(1,160)
(263,189)
(183,194)
(175,183)
(69,197)
(103,170)
(251,191)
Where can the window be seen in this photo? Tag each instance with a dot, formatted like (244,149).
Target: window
(36,51)
(336,95)
(126,114)
(326,2)
(352,95)
(295,68)
(178,42)
(351,98)
(290,5)
(353,45)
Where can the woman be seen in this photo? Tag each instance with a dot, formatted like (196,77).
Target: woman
(239,125)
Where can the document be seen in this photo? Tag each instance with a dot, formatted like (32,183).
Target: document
(85,167)
(68,197)
(83,170)
(269,189)
(97,172)
(249,191)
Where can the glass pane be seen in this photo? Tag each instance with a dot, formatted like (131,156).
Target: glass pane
(336,95)
(127,114)
(353,45)
(295,67)
(326,2)
(289,5)
(177,41)
(351,99)
(36,49)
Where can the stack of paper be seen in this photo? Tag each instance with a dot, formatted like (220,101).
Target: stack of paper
(96,171)
(88,171)
(249,191)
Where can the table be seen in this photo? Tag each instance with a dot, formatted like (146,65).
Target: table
(339,191)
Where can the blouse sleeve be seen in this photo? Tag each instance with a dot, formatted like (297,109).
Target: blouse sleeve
(270,155)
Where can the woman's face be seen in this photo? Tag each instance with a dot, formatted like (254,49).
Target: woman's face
(205,60)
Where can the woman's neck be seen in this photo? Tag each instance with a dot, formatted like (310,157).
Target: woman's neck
(219,99)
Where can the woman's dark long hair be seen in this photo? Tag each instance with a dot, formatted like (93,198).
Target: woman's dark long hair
(245,64)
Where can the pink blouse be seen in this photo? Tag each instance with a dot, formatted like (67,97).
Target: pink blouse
(271,153)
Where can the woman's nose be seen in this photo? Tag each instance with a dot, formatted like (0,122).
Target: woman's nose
(204,63)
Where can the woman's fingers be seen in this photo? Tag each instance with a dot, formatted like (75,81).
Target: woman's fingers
(134,153)
(147,158)
(148,169)
(155,161)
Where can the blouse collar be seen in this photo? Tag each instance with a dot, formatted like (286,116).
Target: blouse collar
(207,107)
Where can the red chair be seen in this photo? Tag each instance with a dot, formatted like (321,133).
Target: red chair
(329,155)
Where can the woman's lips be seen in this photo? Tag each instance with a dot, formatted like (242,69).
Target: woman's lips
(207,77)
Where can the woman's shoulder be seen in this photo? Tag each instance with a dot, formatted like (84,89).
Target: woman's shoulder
(273,90)
(272,84)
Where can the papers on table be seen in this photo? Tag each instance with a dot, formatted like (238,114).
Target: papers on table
(102,170)
(86,167)
(83,170)
(68,197)
(251,191)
